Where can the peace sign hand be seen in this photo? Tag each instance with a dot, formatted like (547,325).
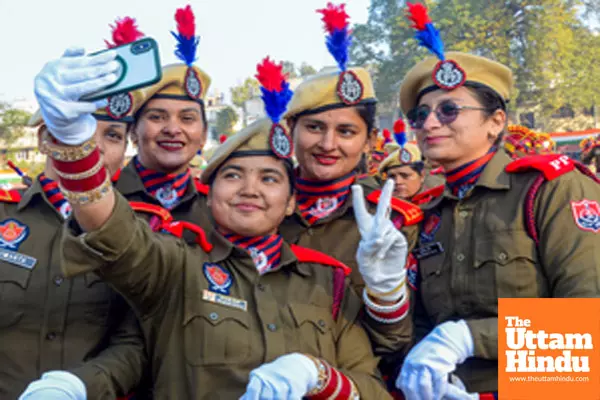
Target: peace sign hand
(382,250)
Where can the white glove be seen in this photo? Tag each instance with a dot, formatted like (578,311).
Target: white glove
(289,377)
(60,85)
(55,385)
(426,369)
(458,391)
(382,250)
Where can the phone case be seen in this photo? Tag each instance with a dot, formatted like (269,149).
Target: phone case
(140,67)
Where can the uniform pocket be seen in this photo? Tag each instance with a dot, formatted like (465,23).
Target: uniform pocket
(215,335)
(506,266)
(315,329)
(13,291)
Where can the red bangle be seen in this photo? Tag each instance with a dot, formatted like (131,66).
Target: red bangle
(391,315)
(78,166)
(86,184)
(346,390)
(332,384)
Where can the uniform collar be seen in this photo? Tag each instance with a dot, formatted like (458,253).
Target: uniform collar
(223,249)
(130,183)
(31,193)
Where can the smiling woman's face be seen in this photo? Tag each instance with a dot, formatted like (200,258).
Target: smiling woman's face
(330,144)
(250,196)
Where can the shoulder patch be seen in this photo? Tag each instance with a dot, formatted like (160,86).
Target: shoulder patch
(428,195)
(153,209)
(201,187)
(551,165)
(412,213)
(10,196)
(306,255)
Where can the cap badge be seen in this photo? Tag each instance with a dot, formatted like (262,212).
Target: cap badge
(405,156)
(448,75)
(350,89)
(280,142)
(119,105)
(193,85)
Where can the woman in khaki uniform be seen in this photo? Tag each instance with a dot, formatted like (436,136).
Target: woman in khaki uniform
(241,313)
(49,322)
(527,228)
(169,129)
(403,165)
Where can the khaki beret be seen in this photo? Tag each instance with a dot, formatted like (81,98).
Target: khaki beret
(475,69)
(400,157)
(262,137)
(332,89)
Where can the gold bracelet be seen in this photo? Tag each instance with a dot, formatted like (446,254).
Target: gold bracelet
(82,175)
(89,197)
(393,291)
(66,153)
(354,395)
(324,376)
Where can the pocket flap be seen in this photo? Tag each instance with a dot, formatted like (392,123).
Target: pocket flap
(318,316)
(503,248)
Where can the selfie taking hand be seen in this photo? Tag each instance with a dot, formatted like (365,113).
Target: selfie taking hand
(60,85)
(382,250)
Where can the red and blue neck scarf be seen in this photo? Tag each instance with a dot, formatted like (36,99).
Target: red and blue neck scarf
(54,195)
(166,188)
(264,250)
(318,199)
(460,180)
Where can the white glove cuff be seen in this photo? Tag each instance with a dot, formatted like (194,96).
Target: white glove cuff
(386,314)
(398,292)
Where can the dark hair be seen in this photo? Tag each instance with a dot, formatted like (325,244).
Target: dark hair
(487,97)
(289,170)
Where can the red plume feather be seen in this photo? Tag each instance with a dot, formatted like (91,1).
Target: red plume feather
(124,31)
(387,135)
(417,13)
(334,17)
(399,126)
(186,22)
(270,75)
(222,139)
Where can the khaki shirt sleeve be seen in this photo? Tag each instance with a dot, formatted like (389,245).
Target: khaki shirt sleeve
(355,357)
(117,370)
(569,254)
(140,264)
(485,337)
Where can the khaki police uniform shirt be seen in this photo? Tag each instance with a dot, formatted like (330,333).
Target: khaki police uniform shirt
(191,207)
(202,348)
(488,254)
(48,322)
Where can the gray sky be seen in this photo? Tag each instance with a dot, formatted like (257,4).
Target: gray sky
(235,34)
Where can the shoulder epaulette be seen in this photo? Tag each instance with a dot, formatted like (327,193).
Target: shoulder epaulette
(116,176)
(428,195)
(176,228)
(551,165)
(162,213)
(10,196)
(306,255)
(412,213)
(201,187)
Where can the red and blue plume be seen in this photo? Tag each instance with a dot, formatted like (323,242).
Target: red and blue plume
(276,93)
(399,132)
(339,35)
(124,31)
(387,136)
(187,41)
(427,35)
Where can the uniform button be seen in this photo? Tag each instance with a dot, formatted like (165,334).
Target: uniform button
(58,280)
(261,287)
(272,327)
(309,232)
(460,257)
(463,214)
(213,316)
(51,336)
(502,256)
(322,323)
(438,272)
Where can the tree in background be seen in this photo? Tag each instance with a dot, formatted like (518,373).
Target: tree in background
(242,93)
(226,120)
(549,45)
(306,70)
(12,123)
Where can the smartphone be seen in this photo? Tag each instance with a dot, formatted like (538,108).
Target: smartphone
(139,67)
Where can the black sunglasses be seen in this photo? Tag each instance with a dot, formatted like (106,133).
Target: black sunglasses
(446,112)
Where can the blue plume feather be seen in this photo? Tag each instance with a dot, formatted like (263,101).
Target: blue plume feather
(276,101)
(186,48)
(400,138)
(430,38)
(338,44)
